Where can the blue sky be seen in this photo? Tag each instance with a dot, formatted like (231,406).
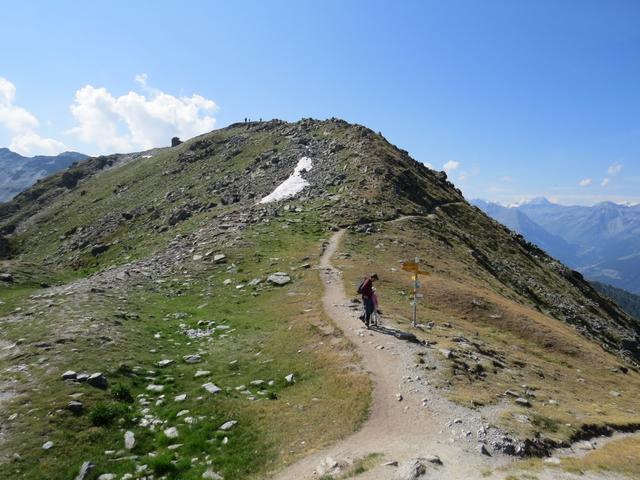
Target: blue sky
(518,99)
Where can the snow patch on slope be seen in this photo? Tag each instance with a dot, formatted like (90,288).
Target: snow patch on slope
(292,185)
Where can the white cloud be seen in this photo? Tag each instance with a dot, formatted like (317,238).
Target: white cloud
(615,168)
(585,182)
(137,121)
(22,124)
(450,165)
(605,181)
(30,143)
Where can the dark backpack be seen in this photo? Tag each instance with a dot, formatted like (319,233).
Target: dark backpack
(364,280)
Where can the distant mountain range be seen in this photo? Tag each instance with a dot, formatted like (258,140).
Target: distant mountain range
(601,241)
(20,172)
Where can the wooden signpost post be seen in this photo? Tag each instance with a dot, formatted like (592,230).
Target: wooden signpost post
(414,267)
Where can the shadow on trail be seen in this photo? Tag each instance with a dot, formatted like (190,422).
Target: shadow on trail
(399,334)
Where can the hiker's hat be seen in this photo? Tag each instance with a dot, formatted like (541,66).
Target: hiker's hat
(375,275)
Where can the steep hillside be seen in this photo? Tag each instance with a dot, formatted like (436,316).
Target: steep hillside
(20,172)
(629,302)
(201,307)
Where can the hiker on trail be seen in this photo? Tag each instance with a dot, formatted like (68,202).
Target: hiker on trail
(368,297)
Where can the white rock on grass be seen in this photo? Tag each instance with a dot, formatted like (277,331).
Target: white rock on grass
(211,475)
(211,388)
(85,470)
(171,432)
(69,375)
(202,373)
(228,425)
(289,378)
(192,358)
(165,363)
(279,278)
(98,380)
(47,445)
(155,388)
(180,398)
(129,440)
(107,476)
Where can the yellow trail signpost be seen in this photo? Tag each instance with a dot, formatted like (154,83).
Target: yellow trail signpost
(414,267)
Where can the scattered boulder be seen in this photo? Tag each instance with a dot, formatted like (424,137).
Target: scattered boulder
(6,277)
(175,141)
(279,278)
(171,432)
(289,378)
(219,258)
(228,425)
(178,216)
(47,445)
(482,448)
(98,380)
(155,388)
(129,440)
(98,249)
(202,373)
(522,402)
(107,476)
(211,388)
(412,470)
(69,375)
(446,353)
(192,358)
(75,407)
(180,398)
(164,363)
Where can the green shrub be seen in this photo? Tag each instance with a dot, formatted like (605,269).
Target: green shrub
(544,423)
(104,414)
(122,394)
(163,465)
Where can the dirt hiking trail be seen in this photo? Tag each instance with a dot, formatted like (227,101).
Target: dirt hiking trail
(421,424)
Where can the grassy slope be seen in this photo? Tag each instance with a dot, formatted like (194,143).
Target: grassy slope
(273,334)
(500,340)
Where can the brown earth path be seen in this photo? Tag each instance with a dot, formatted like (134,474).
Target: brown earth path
(422,424)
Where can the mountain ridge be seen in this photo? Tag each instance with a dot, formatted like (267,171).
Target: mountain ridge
(601,241)
(163,271)
(22,172)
